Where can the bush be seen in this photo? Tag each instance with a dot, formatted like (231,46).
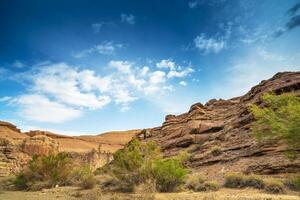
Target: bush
(210,186)
(194,181)
(278,120)
(216,151)
(198,183)
(254,181)
(84,177)
(234,180)
(293,183)
(169,174)
(139,162)
(237,180)
(50,170)
(274,186)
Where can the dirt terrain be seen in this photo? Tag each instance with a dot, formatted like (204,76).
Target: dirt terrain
(70,193)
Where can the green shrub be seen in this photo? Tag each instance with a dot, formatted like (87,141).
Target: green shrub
(139,162)
(234,180)
(278,120)
(274,186)
(20,181)
(293,183)
(216,151)
(84,177)
(254,181)
(51,170)
(169,174)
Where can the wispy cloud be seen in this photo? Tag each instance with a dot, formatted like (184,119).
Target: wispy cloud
(18,64)
(248,71)
(209,45)
(57,92)
(105,48)
(183,83)
(40,108)
(292,23)
(128,18)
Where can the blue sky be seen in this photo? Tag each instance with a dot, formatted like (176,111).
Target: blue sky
(85,67)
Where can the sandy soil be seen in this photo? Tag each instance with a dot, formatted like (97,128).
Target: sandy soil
(70,193)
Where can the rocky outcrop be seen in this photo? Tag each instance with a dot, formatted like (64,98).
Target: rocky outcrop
(40,145)
(226,125)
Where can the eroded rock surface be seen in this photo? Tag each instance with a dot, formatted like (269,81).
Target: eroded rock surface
(225,124)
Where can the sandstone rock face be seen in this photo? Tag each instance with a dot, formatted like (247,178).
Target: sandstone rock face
(226,124)
(40,145)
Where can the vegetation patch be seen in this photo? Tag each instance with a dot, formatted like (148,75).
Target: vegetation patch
(198,183)
(279,119)
(139,162)
(274,186)
(216,151)
(293,183)
(45,170)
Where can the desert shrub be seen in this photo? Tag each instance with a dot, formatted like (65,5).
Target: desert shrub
(293,183)
(234,180)
(216,151)
(139,162)
(52,170)
(169,174)
(198,183)
(209,186)
(237,180)
(20,181)
(194,181)
(274,186)
(84,177)
(278,120)
(254,181)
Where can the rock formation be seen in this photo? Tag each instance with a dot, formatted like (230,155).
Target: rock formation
(226,125)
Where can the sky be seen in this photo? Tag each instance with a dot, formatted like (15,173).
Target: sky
(86,67)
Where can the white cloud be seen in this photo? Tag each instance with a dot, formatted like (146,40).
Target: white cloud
(144,71)
(128,18)
(59,87)
(121,66)
(61,82)
(183,83)
(180,74)
(105,48)
(5,99)
(18,64)
(40,108)
(157,77)
(209,45)
(166,64)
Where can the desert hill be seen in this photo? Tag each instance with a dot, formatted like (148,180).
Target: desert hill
(16,148)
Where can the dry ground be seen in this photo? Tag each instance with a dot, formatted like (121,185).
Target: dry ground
(72,193)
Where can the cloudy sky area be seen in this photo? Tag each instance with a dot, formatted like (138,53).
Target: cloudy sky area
(83,67)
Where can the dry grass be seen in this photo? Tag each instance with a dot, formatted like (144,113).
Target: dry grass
(72,193)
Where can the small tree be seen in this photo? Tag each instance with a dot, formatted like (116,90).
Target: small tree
(278,120)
